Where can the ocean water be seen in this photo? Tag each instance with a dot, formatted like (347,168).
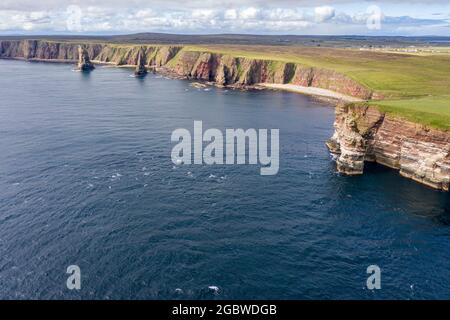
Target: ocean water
(86,179)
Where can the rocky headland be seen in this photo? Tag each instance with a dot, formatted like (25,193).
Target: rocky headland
(362,133)
(221,69)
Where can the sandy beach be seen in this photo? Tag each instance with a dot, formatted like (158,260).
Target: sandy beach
(310,91)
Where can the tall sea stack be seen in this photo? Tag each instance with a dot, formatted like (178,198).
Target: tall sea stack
(141,69)
(84,63)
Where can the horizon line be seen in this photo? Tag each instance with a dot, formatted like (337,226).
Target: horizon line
(210,34)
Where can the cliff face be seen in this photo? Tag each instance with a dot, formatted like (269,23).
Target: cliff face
(141,69)
(222,69)
(68,51)
(362,133)
(229,70)
(365,134)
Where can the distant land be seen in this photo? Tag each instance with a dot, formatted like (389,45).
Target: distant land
(248,39)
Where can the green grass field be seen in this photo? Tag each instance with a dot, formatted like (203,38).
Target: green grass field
(415,87)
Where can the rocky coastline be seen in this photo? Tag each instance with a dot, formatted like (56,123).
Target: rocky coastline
(362,133)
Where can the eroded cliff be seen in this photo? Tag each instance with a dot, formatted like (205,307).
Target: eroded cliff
(363,133)
(220,68)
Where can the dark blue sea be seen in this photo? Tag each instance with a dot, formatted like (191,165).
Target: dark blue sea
(86,179)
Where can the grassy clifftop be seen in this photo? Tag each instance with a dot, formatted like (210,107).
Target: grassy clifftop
(415,87)
(412,86)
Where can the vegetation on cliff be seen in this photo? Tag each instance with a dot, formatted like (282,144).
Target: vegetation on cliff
(415,87)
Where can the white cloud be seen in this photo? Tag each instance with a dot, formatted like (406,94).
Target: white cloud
(324,13)
(284,14)
(204,14)
(143,14)
(230,14)
(247,17)
(249,13)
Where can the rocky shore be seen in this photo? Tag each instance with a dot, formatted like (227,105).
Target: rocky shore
(219,68)
(362,133)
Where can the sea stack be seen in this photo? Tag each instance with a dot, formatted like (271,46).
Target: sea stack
(141,69)
(84,63)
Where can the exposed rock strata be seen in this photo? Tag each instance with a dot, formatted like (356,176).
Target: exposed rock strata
(219,68)
(362,133)
(366,134)
(141,69)
(84,63)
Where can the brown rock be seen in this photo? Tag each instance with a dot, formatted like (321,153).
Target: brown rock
(365,134)
(84,63)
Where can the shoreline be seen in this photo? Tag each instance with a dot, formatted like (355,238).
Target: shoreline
(399,143)
(311,91)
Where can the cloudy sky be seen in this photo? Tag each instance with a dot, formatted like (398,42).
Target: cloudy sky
(400,17)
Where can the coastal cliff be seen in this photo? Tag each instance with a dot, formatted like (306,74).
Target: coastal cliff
(363,133)
(220,68)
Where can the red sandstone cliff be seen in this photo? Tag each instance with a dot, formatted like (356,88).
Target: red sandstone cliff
(219,68)
(362,133)
(365,134)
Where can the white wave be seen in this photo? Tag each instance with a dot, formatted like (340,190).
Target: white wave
(214,289)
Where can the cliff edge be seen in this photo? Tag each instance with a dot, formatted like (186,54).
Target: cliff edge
(223,69)
(364,134)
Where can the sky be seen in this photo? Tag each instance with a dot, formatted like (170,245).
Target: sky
(301,17)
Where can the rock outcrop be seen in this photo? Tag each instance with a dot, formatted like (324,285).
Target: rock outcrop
(363,133)
(84,63)
(219,68)
(141,69)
